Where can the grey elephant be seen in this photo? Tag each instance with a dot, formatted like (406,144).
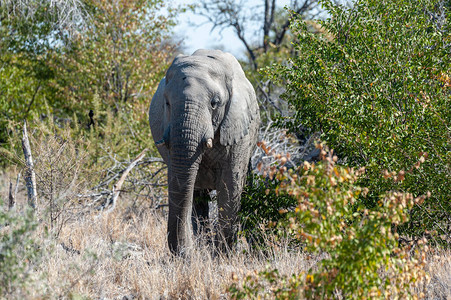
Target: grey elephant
(204,119)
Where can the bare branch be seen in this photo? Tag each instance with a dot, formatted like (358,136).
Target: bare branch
(63,14)
(228,14)
(117,187)
(268,22)
(240,17)
(250,51)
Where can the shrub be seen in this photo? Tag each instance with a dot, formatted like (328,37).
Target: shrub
(376,84)
(363,258)
(17,250)
(261,210)
(62,173)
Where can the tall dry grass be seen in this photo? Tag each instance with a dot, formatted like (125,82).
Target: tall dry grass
(123,255)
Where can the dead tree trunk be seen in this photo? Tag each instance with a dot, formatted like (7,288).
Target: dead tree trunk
(30,177)
(12,200)
(12,194)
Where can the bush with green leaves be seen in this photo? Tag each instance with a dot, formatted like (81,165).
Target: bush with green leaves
(17,250)
(261,209)
(363,256)
(376,84)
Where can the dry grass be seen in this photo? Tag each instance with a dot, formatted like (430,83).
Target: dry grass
(439,268)
(124,255)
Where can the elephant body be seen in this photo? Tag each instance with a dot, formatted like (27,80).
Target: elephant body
(204,118)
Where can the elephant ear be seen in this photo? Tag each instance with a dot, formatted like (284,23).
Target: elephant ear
(241,110)
(158,118)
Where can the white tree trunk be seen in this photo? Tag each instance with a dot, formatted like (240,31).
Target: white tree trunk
(30,177)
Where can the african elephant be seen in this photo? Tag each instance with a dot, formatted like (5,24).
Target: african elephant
(204,119)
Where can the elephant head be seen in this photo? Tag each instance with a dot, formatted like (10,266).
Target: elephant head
(204,103)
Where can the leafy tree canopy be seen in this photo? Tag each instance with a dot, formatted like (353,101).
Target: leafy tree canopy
(376,84)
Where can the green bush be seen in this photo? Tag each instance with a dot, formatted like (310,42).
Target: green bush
(261,209)
(17,250)
(376,83)
(363,258)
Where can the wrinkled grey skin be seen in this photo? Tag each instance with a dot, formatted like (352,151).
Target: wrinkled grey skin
(204,119)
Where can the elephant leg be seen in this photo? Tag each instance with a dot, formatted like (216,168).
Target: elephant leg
(199,217)
(229,197)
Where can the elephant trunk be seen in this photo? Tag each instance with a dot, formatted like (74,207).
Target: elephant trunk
(181,188)
(186,148)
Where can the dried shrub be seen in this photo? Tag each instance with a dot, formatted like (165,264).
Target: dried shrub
(62,175)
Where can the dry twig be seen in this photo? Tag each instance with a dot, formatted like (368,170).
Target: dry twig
(117,187)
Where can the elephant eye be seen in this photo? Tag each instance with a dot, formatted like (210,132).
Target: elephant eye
(215,102)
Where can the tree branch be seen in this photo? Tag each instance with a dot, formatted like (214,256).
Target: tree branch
(250,51)
(117,187)
(306,6)
(223,14)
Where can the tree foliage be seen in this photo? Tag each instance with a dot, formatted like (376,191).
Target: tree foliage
(27,34)
(116,64)
(106,70)
(377,84)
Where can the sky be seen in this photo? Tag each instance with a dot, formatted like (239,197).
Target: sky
(197,36)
